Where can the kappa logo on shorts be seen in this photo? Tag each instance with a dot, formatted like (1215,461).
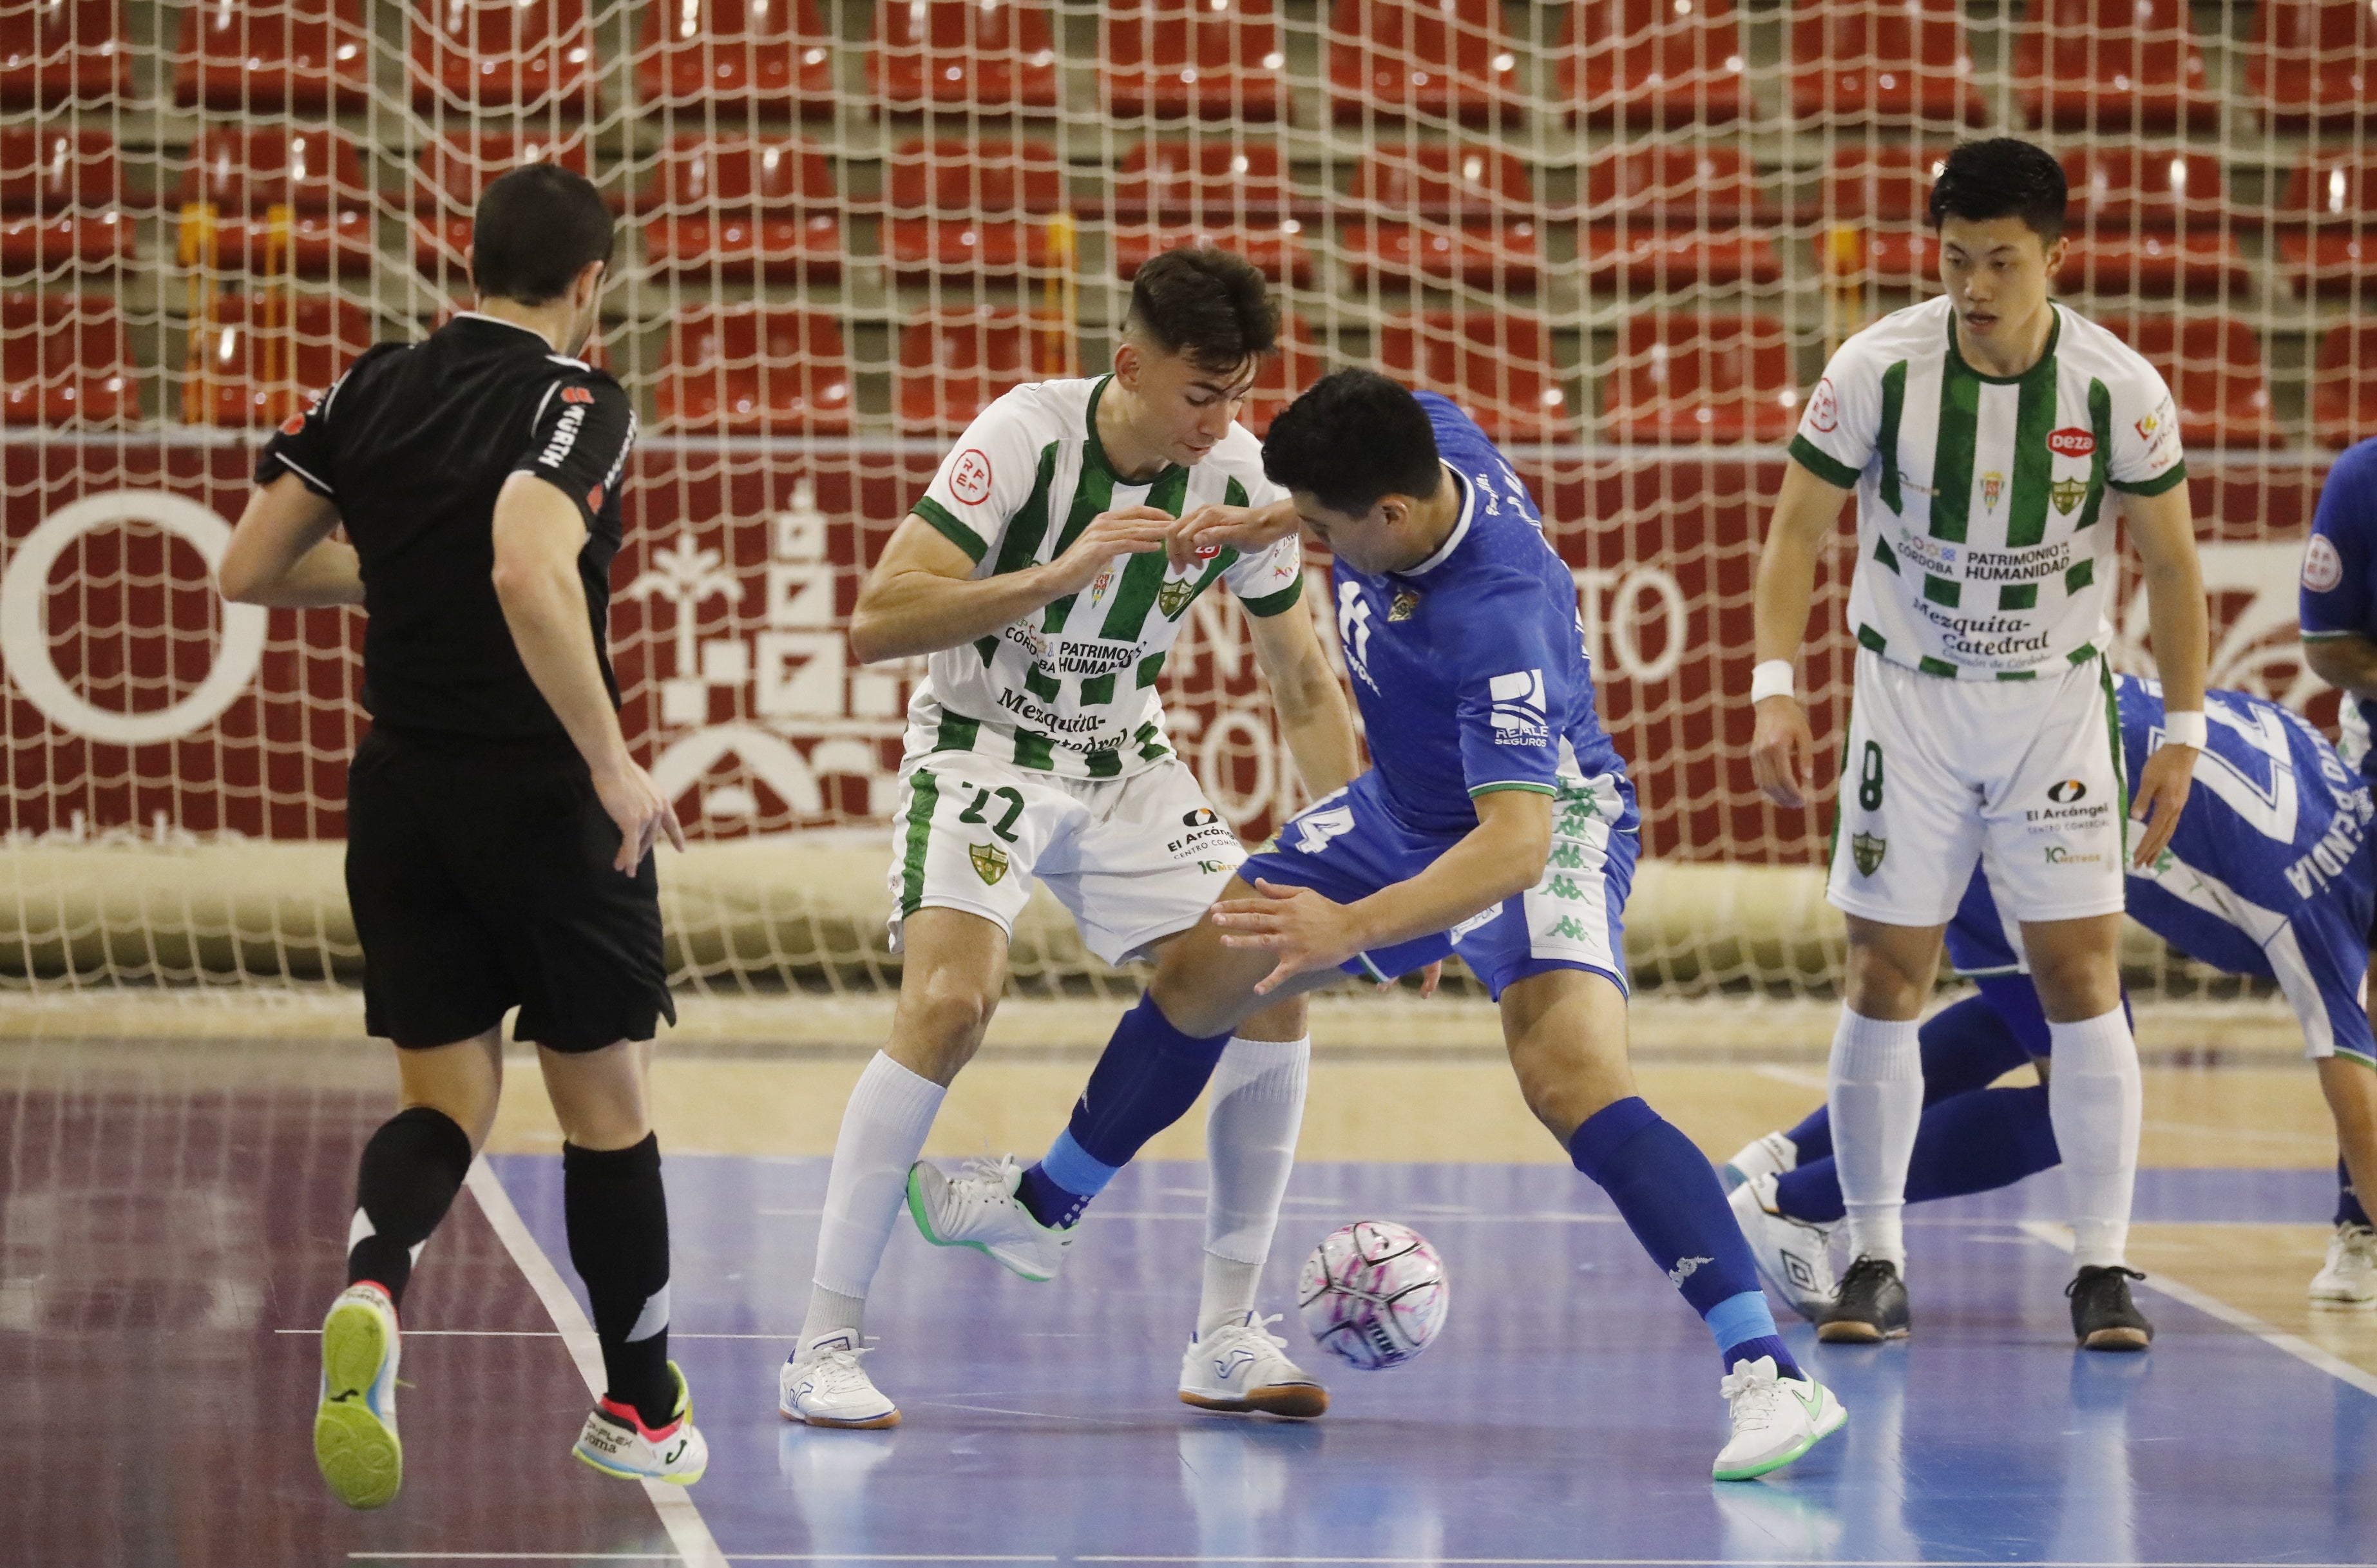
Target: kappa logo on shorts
(1518,713)
(989,862)
(1868,851)
(2066,793)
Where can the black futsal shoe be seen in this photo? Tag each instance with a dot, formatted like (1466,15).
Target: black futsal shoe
(2103,1316)
(1872,1306)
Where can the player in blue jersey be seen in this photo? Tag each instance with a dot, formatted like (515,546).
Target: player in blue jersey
(2339,632)
(1496,823)
(2269,874)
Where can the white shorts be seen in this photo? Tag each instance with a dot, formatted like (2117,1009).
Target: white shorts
(1134,859)
(2024,777)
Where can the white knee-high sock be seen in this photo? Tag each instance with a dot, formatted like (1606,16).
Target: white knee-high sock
(1254,1110)
(1874,1087)
(2095,1099)
(883,1130)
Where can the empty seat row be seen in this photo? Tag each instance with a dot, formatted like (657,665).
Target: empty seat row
(2131,63)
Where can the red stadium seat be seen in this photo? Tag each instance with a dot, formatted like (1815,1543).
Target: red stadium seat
(1890,60)
(2113,65)
(742,208)
(1232,195)
(953,365)
(1444,213)
(1653,63)
(2327,225)
(1876,199)
(972,205)
(1442,59)
(60,200)
(1670,217)
(55,53)
(302,55)
(256,358)
(2344,385)
(1496,363)
(953,54)
(64,360)
(755,369)
(237,176)
(502,53)
(745,58)
(1689,379)
(2313,63)
(1193,59)
(1282,375)
(451,173)
(2148,223)
(2213,369)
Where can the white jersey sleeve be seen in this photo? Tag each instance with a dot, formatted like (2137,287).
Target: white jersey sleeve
(1839,432)
(984,481)
(2146,459)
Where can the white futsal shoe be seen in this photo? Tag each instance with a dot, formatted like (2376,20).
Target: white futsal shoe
(615,1442)
(1775,1420)
(1243,1366)
(355,1426)
(2349,1280)
(823,1385)
(980,1208)
(1769,1155)
(1794,1255)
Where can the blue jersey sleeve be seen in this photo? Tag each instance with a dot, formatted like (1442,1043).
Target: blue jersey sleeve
(2337,589)
(1517,676)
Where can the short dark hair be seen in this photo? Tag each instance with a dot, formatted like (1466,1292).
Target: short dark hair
(1210,306)
(2003,177)
(1353,437)
(536,228)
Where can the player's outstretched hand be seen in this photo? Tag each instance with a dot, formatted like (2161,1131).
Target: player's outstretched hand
(1429,978)
(641,813)
(1307,930)
(1782,752)
(1203,531)
(2162,795)
(1125,531)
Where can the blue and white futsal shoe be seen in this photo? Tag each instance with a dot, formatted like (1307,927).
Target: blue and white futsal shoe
(1242,1366)
(1769,1155)
(1775,1420)
(616,1441)
(1795,1256)
(823,1385)
(2349,1280)
(979,1208)
(354,1427)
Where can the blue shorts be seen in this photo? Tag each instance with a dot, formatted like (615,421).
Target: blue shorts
(1351,843)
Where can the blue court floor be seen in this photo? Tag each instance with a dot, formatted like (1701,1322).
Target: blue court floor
(1567,1414)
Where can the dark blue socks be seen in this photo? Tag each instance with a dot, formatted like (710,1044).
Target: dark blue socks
(1968,1046)
(1673,1203)
(1149,1076)
(2348,1203)
(1975,1142)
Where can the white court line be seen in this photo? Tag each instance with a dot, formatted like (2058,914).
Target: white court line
(785,1337)
(1799,1077)
(759,1557)
(674,1504)
(2269,1333)
(1557,1219)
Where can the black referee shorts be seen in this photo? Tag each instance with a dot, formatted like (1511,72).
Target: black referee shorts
(481,880)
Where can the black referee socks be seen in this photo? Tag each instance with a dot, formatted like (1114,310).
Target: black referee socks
(617,1217)
(409,1172)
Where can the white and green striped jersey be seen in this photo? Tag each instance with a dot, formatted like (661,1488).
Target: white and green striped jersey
(1071,688)
(1983,549)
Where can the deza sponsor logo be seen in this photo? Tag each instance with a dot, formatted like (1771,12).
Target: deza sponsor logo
(2072,442)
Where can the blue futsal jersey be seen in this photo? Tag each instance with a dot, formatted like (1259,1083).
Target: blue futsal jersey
(2270,872)
(2339,595)
(1472,676)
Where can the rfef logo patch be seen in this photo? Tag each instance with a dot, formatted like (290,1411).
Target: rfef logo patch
(594,500)
(293,425)
(576,395)
(1825,407)
(2322,569)
(2072,442)
(970,477)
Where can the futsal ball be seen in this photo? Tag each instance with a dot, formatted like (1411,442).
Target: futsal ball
(1373,1293)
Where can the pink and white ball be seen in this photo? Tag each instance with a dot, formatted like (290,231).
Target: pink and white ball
(1373,1293)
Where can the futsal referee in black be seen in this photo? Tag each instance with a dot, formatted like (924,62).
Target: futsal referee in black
(499,836)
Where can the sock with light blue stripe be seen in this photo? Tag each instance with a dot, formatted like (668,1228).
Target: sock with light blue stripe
(1146,1080)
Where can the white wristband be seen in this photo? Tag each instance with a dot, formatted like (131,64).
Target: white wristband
(2184,729)
(1773,678)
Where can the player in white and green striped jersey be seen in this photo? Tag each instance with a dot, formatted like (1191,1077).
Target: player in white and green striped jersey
(1034,571)
(1990,437)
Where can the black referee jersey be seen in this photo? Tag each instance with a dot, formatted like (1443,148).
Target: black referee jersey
(414,443)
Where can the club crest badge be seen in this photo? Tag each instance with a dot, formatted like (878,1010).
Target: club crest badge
(1992,488)
(1173,597)
(1866,851)
(989,862)
(1098,589)
(2067,494)
(1407,602)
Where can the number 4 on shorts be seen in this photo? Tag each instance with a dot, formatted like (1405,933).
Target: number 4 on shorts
(1315,829)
